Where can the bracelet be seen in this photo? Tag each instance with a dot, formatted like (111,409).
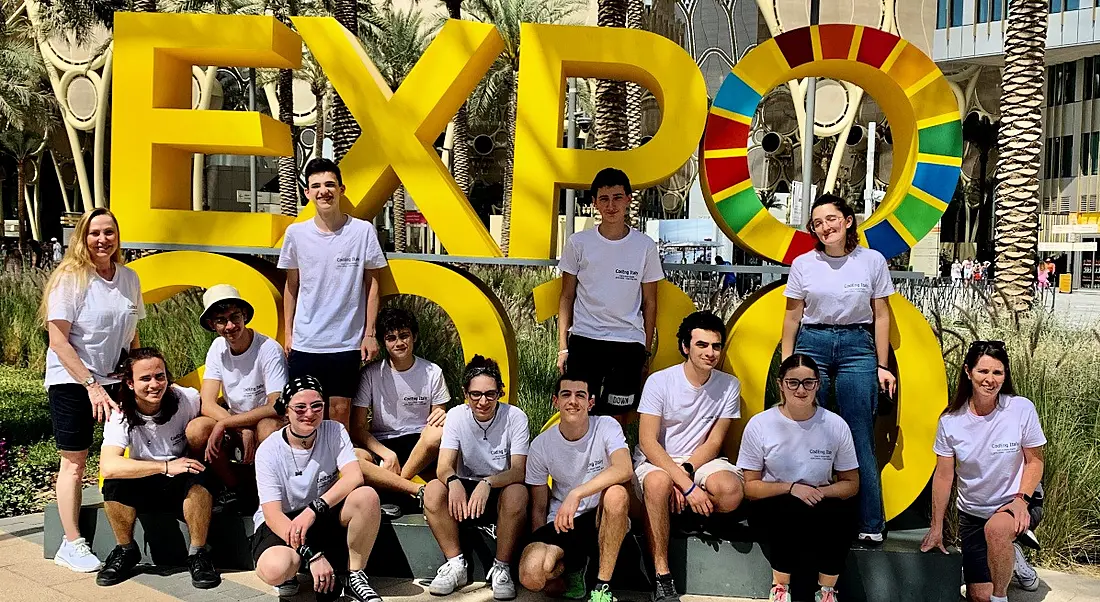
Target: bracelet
(563,352)
(791,490)
(881,367)
(166,468)
(486,481)
(320,554)
(688,492)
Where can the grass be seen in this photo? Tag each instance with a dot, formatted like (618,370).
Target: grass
(1055,366)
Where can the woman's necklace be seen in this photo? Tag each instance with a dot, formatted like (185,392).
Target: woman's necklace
(293,458)
(485,430)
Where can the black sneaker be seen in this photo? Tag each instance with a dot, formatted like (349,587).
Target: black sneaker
(203,575)
(119,566)
(226,501)
(666,590)
(359,589)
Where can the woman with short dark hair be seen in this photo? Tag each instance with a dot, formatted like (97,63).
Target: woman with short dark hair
(991,439)
(800,471)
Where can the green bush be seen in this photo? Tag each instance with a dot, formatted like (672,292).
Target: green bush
(24,411)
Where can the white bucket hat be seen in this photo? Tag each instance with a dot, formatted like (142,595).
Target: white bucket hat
(217,294)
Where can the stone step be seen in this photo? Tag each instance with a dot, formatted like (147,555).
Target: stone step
(732,565)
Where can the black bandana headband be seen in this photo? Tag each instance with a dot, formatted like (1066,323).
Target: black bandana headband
(295,386)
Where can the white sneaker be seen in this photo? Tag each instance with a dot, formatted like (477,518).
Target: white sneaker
(1022,573)
(449,577)
(870,538)
(500,578)
(77,556)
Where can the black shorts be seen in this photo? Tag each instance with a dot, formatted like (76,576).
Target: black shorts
(403,447)
(492,505)
(71,413)
(337,371)
(579,543)
(326,535)
(155,493)
(975,551)
(613,370)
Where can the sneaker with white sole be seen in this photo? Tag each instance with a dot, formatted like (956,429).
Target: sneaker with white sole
(287,589)
(451,576)
(871,539)
(779,593)
(500,578)
(358,588)
(1022,572)
(77,555)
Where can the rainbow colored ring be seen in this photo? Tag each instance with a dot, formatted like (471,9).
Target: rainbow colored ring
(916,99)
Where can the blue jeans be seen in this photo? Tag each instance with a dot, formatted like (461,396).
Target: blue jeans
(846,357)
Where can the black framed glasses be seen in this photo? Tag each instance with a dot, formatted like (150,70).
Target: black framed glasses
(810,384)
(488,395)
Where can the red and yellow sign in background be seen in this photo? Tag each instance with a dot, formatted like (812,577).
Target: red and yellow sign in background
(155,134)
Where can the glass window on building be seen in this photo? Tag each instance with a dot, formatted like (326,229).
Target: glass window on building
(1051,158)
(956,13)
(941,13)
(983,10)
(1055,6)
(1087,88)
(1089,142)
(1073,4)
(1066,170)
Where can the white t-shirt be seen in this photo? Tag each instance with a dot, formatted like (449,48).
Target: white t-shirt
(485,448)
(296,477)
(610,274)
(400,402)
(687,413)
(104,321)
(839,290)
(247,379)
(573,463)
(332,297)
(793,451)
(152,441)
(989,451)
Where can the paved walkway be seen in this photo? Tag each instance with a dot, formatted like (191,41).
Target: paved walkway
(27,577)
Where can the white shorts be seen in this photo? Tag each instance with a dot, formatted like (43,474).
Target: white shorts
(703,472)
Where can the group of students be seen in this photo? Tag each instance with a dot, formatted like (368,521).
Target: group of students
(327,437)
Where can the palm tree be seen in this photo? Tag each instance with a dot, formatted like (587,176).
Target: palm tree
(611,110)
(499,86)
(394,40)
(346,129)
(635,19)
(1020,141)
(460,151)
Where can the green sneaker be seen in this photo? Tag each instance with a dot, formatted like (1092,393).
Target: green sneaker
(575,588)
(601,593)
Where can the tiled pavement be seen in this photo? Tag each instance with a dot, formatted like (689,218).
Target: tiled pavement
(26,577)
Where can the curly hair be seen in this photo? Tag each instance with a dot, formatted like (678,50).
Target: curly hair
(127,401)
(851,237)
(703,320)
(482,366)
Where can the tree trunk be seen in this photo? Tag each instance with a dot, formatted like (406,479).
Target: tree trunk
(319,124)
(635,19)
(345,129)
(399,234)
(288,173)
(509,165)
(460,151)
(21,208)
(145,6)
(611,126)
(1020,142)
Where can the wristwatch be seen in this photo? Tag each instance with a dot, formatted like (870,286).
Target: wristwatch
(689,468)
(89,381)
(452,478)
(319,506)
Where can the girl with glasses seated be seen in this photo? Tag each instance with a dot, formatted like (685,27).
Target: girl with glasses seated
(800,469)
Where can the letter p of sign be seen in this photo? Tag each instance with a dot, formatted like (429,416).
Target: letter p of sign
(155,131)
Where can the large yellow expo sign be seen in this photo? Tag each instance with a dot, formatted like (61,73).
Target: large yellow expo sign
(155,132)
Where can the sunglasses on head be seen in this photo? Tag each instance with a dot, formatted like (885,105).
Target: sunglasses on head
(984,345)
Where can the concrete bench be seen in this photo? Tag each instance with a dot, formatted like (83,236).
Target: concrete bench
(729,564)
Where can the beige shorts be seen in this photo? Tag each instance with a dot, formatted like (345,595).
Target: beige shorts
(703,472)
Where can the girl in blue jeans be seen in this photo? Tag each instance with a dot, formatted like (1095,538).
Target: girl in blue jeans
(837,313)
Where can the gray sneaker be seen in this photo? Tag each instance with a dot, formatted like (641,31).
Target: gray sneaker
(287,589)
(449,577)
(500,578)
(666,590)
(77,556)
(1022,572)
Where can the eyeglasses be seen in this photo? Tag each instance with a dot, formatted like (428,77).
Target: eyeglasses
(831,220)
(985,345)
(392,338)
(235,317)
(488,395)
(301,408)
(810,384)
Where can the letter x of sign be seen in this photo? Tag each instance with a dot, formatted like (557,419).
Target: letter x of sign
(400,127)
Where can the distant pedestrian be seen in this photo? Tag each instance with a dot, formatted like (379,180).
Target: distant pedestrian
(956,272)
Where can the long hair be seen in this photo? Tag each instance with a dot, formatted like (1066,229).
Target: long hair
(851,238)
(796,360)
(127,401)
(965,387)
(77,263)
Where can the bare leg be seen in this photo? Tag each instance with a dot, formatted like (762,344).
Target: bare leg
(70,477)
(196,513)
(1000,531)
(657,489)
(266,426)
(541,567)
(614,522)
(278,564)
(339,409)
(511,518)
(424,453)
(361,514)
(122,519)
(379,477)
(443,525)
(725,491)
(979,592)
(198,434)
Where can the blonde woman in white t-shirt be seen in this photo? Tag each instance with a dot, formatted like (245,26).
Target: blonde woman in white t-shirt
(990,439)
(90,308)
(837,313)
(801,471)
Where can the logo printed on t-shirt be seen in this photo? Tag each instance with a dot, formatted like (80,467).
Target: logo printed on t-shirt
(621,274)
(1007,447)
(595,467)
(821,454)
(499,452)
(863,286)
(254,391)
(414,400)
(324,480)
(347,262)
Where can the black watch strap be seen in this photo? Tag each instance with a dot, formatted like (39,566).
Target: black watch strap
(689,468)
(319,506)
(452,478)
